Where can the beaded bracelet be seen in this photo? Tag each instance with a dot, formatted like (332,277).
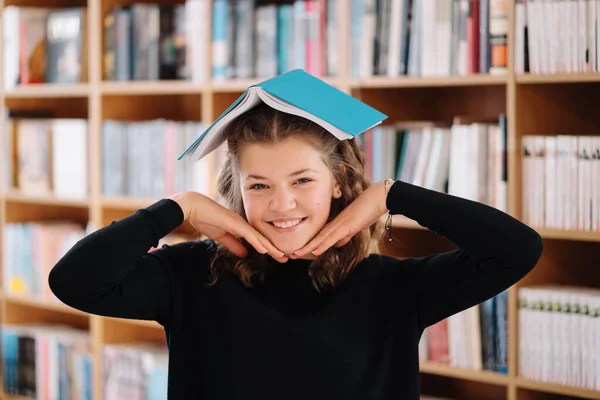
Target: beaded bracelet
(388,222)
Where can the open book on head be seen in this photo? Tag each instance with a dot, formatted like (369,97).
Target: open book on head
(299,93)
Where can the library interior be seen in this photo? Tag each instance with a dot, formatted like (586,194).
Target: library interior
(441,70)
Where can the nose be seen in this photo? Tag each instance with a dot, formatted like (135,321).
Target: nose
(282,200)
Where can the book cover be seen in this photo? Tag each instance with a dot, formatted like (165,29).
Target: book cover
(299,93)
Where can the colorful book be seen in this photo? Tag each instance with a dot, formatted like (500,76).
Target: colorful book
(299,93)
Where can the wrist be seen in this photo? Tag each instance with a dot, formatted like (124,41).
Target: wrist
(387,187)
(182,200)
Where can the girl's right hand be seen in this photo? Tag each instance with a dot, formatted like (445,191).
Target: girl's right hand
(224,226)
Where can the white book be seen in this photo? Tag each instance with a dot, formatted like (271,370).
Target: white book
(595,183)
(395,37)
(520,16)
(550,192)
(69,158)
(574,182)
(591,31)
(575,43)
(367,45)
(582,29)
(527,151)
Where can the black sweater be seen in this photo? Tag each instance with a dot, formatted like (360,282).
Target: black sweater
(283,340)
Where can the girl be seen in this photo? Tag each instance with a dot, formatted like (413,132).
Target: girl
(288,298)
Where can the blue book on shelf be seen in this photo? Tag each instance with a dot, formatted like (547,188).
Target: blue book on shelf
(299,93)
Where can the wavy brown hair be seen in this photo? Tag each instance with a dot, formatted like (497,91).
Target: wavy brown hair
(345,160)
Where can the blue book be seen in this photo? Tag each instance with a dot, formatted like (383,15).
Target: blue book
(299,93)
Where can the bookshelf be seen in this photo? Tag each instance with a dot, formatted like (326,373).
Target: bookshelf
(534,104)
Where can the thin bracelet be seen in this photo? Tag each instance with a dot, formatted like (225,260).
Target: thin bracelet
(388,222)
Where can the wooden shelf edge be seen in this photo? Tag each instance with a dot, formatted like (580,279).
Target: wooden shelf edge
(132,88)
(18,197)
(557,389)
(239,85)
(586,236)
(402,222)
(434,81)
(41,304)
(482,376)
(5,396)
(558,78)
(48,90)
(137,322)
(126,203)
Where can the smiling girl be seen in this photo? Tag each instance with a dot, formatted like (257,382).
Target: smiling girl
(288,297)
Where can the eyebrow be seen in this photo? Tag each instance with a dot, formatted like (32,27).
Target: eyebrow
(290,175)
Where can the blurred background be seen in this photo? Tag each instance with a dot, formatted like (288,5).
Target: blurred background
(491,100)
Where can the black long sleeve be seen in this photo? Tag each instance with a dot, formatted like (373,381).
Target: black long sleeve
(358,342)
(495,250)
(111,273)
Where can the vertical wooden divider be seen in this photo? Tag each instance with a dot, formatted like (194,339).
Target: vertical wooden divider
(512,200)
(95,161)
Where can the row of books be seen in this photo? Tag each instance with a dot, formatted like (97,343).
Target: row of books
(152,42)
(46,156)
(43,156)
(428,37)
(559,335)
(135,371)
(557,36)
(55,362)
(139,159)
(462,159)
(254,39)
(47,362)
(30,250)
(476,338)
(44,45)
(248,39)
(560,182)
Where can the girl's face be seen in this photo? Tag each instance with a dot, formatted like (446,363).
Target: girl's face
(287,191)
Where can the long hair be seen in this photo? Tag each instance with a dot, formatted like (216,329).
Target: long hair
(345,160)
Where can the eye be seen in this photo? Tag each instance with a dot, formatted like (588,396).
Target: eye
(257,186)
(304,180)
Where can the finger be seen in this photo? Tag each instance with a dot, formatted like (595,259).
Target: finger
(233,244)
(258,241)
(343,242)
(272,250)
(314,242)
(242,229)
(331,239)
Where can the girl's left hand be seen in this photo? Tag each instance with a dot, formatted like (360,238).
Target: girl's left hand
(363,212)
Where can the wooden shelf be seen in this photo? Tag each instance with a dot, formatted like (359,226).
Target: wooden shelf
(137,322)
(49,91)
(437,81)
(400,221)
(534,104)
(558,78)
(576,392)
(239,85)
(466,374)
(131,88)
(126,203)
(18,197)
(48,305)
(4,396)
(585,236)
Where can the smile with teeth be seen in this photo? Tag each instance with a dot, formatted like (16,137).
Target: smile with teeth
(287,224)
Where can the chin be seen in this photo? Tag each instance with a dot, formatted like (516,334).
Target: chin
(288,247)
